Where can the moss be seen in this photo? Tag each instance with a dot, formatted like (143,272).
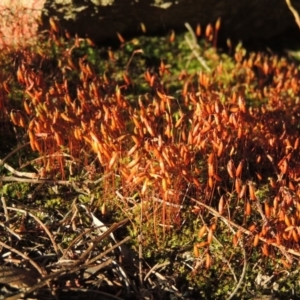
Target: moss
(162,185)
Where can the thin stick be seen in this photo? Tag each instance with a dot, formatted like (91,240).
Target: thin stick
(132,55)
(10,231)
(294,12)
(242,275)
(46,279)
(5,208)
(157,266)
(24,256)
(40,223)
(13,152)
(140,257)
(77,239)
(33,180)
(244,267)
(108,250)
(243,230)
(18,173)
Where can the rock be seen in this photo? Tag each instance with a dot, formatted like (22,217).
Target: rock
(102,19)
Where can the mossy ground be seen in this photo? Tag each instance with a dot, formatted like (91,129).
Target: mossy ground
(211,271)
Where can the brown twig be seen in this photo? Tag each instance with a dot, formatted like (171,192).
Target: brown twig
(32,262)
(294,12)
(40,223)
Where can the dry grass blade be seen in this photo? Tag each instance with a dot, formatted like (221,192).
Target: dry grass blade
(154,268)
(194,47)
(98,224)
(294,12)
